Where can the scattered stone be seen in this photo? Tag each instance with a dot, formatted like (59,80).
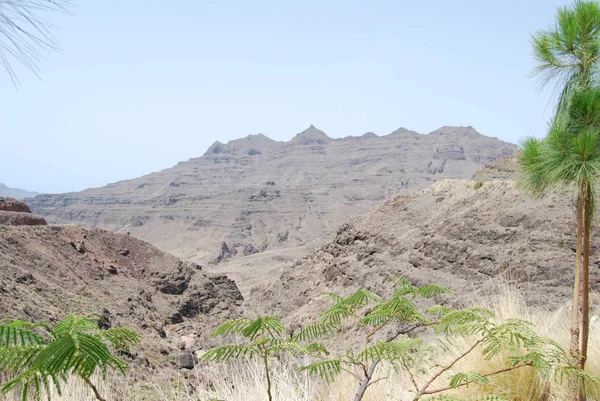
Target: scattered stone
(176,318)
(25,278)
(187,360)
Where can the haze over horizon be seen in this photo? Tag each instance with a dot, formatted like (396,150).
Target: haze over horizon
(139,87)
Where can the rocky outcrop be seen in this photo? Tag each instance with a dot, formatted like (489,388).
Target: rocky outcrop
(499,170)
(255,194)
(13,205)
(17,213)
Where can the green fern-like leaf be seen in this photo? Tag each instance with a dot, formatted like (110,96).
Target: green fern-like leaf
(317,330)
(326,370)
(361,297)
(508,336)
(335,314)
(438,311)
(398,308)
(234,326)
(432,290)
(465,321)
(264,325)
(317,349)
(227,352)
(120,338)
(390,351)
(18,332)
(73,323)
(467,378)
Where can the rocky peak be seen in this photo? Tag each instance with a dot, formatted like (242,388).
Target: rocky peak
(403,131)
(311,135)
(216,148)
(458,131)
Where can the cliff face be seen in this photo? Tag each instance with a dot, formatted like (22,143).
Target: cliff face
(254,194)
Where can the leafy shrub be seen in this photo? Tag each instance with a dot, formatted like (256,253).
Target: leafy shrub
(400,315)
(38,358)
(478,185)
(265,338)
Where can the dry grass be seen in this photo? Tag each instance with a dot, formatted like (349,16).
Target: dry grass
(244,380)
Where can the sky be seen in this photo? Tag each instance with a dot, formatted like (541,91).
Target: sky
(141,85)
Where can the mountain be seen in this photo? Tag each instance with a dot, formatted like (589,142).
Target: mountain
(256,194)
(467,237)
(48,271)
(16,192)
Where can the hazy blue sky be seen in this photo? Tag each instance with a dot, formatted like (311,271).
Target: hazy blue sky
(141,85)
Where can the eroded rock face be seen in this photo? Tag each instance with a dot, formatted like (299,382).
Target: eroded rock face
(16,213)
(13,205)
(255,194)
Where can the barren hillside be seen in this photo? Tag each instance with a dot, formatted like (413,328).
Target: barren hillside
(48,271)
(256,194)
(450,234)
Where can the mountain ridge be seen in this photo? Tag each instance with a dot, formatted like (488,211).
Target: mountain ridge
(16,193)
(251,194)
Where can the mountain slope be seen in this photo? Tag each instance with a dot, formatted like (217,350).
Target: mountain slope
(254,194)
(16,192)
(48,271)
(449,234)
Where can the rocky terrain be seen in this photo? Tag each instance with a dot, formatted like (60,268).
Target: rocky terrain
(451,234)
(16,193)
(47,271)
(254,194)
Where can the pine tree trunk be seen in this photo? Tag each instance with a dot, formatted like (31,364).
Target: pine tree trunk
(575,319)
(585,285)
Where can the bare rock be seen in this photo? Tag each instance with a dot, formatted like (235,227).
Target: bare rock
(10,218)
(187,360)
(13,205)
